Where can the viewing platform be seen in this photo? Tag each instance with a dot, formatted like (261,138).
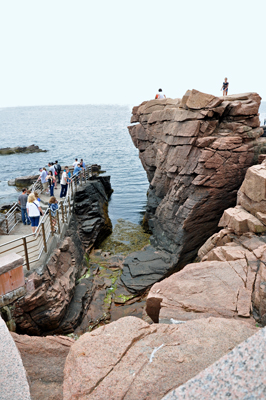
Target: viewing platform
(36,247)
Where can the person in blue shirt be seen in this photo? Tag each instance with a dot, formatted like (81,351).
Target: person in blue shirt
(82,163)
(77,169)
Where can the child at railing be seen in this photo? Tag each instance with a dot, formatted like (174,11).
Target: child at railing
(53,205)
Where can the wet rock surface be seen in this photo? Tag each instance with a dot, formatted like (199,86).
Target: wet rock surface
(27,150)
(195,152)
(129,359)
(143,268)
(107,299)
(25,180)
(44,361)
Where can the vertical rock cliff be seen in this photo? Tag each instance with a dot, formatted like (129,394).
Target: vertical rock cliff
(195,152)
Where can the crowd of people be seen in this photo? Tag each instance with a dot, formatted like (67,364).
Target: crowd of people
(50,178)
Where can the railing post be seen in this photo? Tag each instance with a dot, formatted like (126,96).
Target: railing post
(58,222)
(51,222)
(80,177)
(44,239)
(6,224)
(75,182)
(71,183)
(26,253)
(62,209)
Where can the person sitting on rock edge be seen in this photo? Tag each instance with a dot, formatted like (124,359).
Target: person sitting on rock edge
(160,94)
(225,87)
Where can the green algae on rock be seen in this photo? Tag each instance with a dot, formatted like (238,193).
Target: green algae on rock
(125,238)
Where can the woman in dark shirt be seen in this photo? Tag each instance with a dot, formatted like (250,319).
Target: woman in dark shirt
(225,87)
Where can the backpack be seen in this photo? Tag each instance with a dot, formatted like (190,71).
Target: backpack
(58,168)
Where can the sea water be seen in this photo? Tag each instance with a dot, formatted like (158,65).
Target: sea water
(96,133)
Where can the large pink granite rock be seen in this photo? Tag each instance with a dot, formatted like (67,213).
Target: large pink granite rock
(44,361)
(130,359)
(219,287)
(238,375)
(13,379)
(195,152)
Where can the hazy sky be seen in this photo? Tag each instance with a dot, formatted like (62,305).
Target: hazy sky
(121,51)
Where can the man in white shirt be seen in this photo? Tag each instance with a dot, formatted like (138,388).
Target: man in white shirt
(75,163)
(42,177)
(64,182)
(160,94)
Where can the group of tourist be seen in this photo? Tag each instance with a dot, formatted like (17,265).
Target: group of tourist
(31,208)
(50,178)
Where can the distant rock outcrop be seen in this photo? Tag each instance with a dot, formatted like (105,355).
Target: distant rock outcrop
(26,150)
(230,280)
(195,152)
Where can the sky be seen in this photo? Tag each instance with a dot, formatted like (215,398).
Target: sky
(57,52)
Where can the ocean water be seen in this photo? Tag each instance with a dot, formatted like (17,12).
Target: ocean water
(96,133)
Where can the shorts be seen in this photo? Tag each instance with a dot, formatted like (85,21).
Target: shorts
(45,185)
(34,221)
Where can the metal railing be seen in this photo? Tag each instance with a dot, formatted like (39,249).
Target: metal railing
(12,218)
(32,246)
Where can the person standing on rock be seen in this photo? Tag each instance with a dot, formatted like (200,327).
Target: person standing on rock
(64,182)
(225,87)
(22,200)
(160,94)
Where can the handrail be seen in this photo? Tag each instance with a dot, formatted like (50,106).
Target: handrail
(33,245)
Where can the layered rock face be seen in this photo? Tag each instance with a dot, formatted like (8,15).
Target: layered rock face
(230,280)
(50,290)
(129,359)
(195,152)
